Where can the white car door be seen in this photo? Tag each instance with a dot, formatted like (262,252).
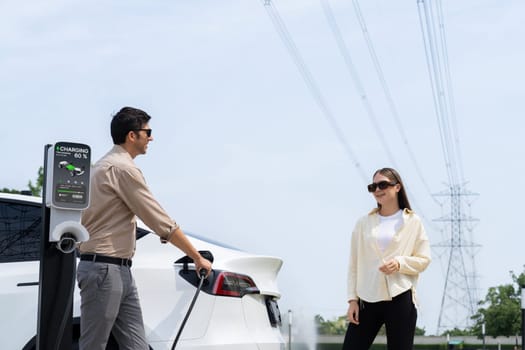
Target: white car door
(20,230)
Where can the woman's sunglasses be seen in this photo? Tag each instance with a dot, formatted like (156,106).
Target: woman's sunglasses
(382,185)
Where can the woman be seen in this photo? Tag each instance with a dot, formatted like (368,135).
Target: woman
(389,249)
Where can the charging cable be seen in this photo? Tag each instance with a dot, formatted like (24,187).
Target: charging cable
(202,275)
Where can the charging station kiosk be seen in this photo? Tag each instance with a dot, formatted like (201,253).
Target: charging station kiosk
(65,194)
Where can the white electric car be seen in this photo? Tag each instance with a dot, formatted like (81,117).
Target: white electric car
(236,309)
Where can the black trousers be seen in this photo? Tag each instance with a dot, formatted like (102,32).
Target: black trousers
(399,316)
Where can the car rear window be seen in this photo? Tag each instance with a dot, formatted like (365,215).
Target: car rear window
(20,231)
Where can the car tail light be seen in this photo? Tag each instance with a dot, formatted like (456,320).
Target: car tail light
(233,285)
(223,283)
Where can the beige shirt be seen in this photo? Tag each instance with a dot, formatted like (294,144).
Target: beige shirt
(409,246)
(118,195)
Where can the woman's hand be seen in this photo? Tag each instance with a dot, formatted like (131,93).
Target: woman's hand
(353,312)
(389,267)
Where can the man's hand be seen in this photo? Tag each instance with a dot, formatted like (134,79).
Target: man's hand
(202,263)
(180,240)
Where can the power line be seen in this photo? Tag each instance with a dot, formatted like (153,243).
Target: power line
(387,92)
(310,82)
(450,94)
(356,79)
(437,63)
(345,53)
(459,292)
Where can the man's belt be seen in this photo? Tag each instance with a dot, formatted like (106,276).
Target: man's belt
(106,259)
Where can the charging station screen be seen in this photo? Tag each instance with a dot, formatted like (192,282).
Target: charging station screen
(71,175)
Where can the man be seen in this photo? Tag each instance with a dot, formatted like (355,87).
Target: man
(119,194)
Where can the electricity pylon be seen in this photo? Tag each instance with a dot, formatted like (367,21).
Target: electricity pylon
(459,300)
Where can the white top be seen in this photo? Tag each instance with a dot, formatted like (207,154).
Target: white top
(388,226)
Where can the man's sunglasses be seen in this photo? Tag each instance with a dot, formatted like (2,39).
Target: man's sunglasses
(382,185)
(148,131)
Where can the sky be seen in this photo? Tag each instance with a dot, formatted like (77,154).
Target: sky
(244,154)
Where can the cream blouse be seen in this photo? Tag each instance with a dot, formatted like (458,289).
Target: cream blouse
(409,246)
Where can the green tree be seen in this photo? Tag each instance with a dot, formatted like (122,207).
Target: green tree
(419,331)
(9,190)
(339,325)
(327,327)
(35,190)
(458,332)
(502,311)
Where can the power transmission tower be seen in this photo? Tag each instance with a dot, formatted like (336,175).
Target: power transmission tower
(459,299)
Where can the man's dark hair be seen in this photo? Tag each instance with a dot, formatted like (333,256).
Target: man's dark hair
(126,120)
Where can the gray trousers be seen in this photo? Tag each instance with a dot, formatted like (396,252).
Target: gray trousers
(109,304)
